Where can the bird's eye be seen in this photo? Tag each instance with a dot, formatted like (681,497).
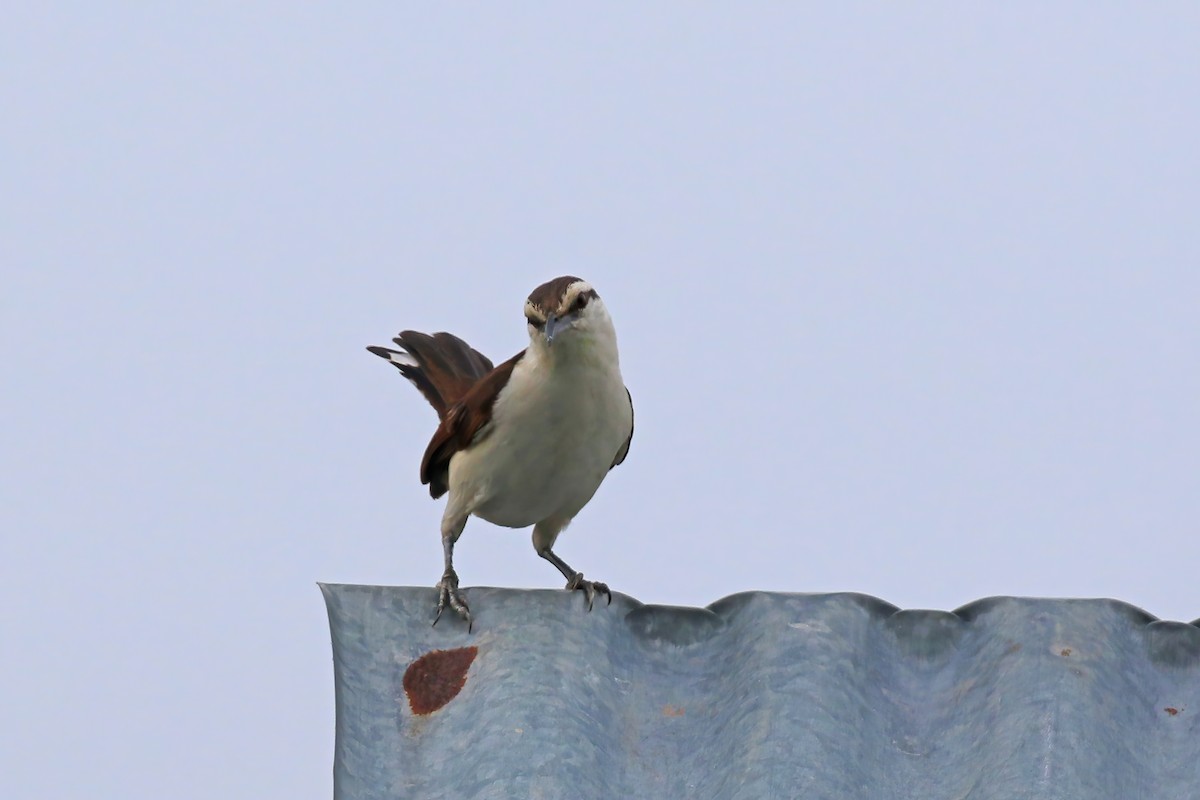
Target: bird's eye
(537,323)
(580,302)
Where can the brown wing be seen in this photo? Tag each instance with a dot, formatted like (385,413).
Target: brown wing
(624,451)
(461,424)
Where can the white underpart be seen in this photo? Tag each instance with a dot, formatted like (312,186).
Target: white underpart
(556,428)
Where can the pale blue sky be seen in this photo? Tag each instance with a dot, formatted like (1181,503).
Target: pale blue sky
(907,299)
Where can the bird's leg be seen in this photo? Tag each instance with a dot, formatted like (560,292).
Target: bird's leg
(575,580)
(448,593)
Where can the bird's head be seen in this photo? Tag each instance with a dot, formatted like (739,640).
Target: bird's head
(564,312)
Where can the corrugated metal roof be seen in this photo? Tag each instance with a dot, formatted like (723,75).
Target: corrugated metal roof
(761,695)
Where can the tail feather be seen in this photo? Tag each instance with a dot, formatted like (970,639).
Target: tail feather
(442,366)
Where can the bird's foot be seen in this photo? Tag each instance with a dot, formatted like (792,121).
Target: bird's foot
(449,595)
(589,588)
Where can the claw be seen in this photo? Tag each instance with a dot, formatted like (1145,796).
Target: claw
(589,588)
(449,595)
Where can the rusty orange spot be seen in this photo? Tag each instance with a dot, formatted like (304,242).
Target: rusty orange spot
(436,678)
(1171,711)
(1066,651)
(672,711)
(1015,647)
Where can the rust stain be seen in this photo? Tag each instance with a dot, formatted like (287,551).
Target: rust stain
(1015,647)
(1066,651)
(1172,711)
(437,677)
(673,711)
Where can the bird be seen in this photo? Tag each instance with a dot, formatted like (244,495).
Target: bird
(528,442)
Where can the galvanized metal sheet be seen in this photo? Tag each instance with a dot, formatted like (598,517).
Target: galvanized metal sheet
(759,696)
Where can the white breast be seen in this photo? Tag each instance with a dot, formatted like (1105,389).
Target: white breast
(555,430)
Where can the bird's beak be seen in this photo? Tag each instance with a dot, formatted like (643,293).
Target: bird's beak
(554,324)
